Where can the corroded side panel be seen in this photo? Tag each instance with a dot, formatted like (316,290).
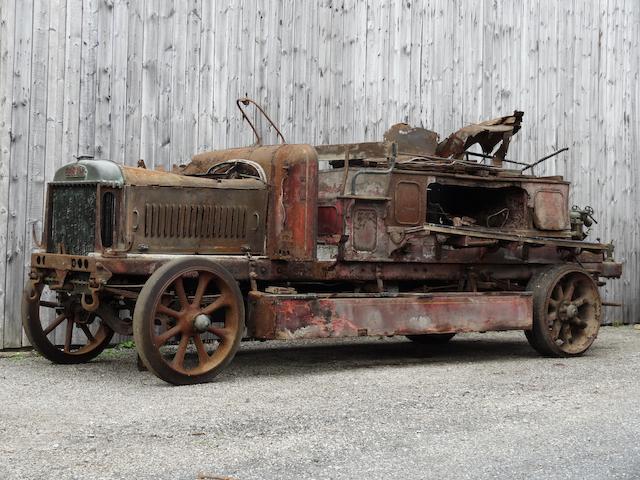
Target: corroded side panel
(196,220)
(293,211)
(317,316)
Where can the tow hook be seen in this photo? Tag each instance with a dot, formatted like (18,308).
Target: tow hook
(93,305)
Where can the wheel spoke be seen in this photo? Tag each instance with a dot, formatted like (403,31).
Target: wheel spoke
(552,317)
(68,335)
(203,356)
(558,288)
(182,296)
(166,336)
(87,332)
(569,291)
(203,281)
(221,301)
(178,360)
(167,311)
(579,323)
(59,319)
(221,333)
(565,333)
(555,330)
(580,301)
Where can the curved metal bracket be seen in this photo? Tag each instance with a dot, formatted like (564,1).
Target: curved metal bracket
(246,101)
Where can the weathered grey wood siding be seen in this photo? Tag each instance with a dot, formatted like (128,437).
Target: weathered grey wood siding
(126,79)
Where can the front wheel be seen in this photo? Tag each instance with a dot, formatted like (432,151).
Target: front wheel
(566,311)
(188,321)
(60,329)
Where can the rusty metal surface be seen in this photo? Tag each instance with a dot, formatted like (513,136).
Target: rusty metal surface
(358,153)
(164,219)
(201,163)
(316,316)
(143,177)
(487,134)
(412,140)
(292,226)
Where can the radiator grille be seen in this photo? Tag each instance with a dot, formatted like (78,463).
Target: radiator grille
(72,219)
(195,221)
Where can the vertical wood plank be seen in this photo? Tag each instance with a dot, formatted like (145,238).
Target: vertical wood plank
(7,51)
(73,56)
(149,92)
(192,82)
(16,256)
(103,80)
(179,153)
(207,85)
(356,101)
(37,128)
(135,68)
(119,64)
(88,61)
(220,77)
(166,54)
(56,88)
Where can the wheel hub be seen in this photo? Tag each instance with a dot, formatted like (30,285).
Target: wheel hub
(201,322)
(567,311)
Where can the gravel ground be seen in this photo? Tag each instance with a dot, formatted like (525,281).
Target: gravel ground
(483,406)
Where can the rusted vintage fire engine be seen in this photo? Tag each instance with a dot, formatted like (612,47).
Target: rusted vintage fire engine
(408,236)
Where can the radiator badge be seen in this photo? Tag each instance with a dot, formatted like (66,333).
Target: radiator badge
(75,171)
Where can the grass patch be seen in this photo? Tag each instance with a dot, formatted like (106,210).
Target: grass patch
(119,350)
(17,356)
(127,344)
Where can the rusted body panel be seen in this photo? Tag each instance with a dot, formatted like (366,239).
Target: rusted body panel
(293,223)
(487,134)
(318,316)
(201,163)
(154,178)
(201,220)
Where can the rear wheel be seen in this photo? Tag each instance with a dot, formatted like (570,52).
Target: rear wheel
(566,311)
(60,329)
(188,321)
(431,338)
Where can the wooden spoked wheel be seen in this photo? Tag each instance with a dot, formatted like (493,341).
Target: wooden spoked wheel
(566,311)
(85,335)
(188,321)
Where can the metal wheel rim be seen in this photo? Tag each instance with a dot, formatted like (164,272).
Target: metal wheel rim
(573,312)
(193,303)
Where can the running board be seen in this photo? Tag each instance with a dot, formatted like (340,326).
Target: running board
(290,316)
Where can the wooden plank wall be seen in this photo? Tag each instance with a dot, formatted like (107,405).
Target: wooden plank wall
(126,79)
